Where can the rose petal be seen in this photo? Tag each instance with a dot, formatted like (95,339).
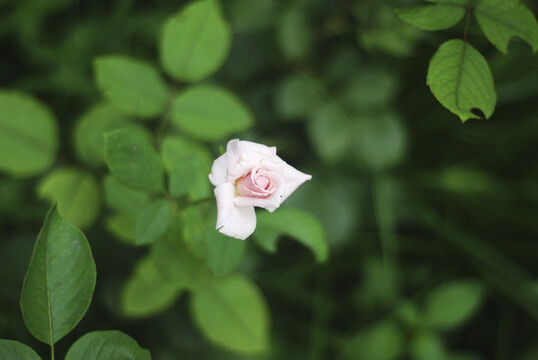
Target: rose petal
(219,170)
(236,221)
(270,203)
(236,149)
(293,178)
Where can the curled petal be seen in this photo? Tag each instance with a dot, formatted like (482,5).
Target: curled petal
(293,178)
(219,170)
(236,149)
(232,220)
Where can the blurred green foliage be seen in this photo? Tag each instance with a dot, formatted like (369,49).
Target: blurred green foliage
(431,225)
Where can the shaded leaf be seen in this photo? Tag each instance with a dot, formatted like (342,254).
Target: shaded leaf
(295,223)
(59,284)
(439,16)
(459,77)
(232,313)
(133,161)
(451,304)
(500,20)
(91,129)
(382,341)
(210,112)
(123,227)
(176,260)
(152,222)
(298,97)
(427,345)
(195,42)
(224,253)
(110,345)
(123,198)
(294,34)
(146,292)
(28,135)
(77,194)
(131,85)
(189,164)
(15,350)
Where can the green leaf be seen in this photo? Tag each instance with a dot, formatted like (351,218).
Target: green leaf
(124,199)
(110,345)
(91,129)
(233,314)
(459,77)
(123,227)
(500,20)
(59,284)
(210,112)
(146,292)
(15,350)
(132,86)
(77,194)
(295,223)
(224,253)
(294,34)
(382,341)
(176,260)
(133,160)
(298,97)
(153,222)
(195,42)
(251,16)
(427,345)
(189,165)
(451,304)
(439,16)
(28,135)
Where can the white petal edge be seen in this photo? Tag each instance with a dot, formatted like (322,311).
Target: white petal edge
(236,148)
(293,178)
(232,220)
(219,170)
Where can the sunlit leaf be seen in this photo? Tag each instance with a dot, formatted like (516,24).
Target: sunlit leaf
(133,161)
(59,284)
(451,304)
(28,135)
(382,341)
(131,85)
(15,350)
(77,194)
(500,20)
(189,164)
(438,16)
(152,222)
(232,313)
(146,292)
(295,223)
(459,77)
(195,42)
(110,345)
(210,112)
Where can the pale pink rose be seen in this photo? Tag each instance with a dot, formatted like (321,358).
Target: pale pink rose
(249,175)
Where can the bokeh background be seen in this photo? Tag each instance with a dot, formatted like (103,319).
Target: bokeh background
(432,224)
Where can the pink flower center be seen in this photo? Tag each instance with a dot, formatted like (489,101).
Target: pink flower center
(258,183)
